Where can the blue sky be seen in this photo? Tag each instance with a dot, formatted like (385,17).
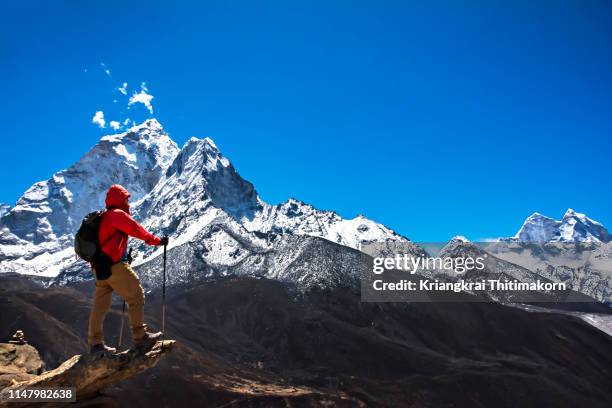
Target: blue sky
(439,119)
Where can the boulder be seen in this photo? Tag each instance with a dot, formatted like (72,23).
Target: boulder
(19,362)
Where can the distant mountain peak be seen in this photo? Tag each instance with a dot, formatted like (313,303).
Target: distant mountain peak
(151,123)
(37,232)
(293,200)
(459,246)
(573,227)
(210,142)
(538,216)
(570,212)
(150,127)
(206,141)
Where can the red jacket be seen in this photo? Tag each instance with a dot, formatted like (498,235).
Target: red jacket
(117,225)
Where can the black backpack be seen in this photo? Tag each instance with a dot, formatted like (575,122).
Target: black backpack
(87,245)
(86,241)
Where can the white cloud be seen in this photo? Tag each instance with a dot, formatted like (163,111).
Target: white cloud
(126,121)
(115,125)
(123,88)
(106,70)
(98,119)
(142,97)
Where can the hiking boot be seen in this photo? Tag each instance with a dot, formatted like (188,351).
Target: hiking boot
(102,348)
(148,340)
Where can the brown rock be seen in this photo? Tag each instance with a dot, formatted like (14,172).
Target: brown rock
(11,375)
(19,362)
(90,374)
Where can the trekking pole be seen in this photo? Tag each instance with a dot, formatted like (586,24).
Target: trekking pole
(164,300)
(123,309)
(121,327)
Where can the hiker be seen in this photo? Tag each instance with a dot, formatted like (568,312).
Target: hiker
(116,274)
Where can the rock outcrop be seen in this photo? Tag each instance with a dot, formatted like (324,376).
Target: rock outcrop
(18,362)
(88,374)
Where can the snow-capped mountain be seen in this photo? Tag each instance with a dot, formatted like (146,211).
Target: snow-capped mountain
(458,238)
(577,227)
(574,250)
(496,267)
(583,266)
(203,199)
(216,220)
(573,227)
(36,234)
(299,218)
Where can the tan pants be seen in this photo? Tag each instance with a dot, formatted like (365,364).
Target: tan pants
(125,282)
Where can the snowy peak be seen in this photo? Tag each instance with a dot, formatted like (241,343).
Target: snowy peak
(146,141)
(299,218)
(4,208)
(573,227)
(37,232)
(571,215)
(202,173)
(150,124)
(459,246)
(294,209)
(199,189)
(538,228)
(198,156)
(135,159)
(577,227)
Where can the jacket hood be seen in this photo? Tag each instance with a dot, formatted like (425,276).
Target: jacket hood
(117,197)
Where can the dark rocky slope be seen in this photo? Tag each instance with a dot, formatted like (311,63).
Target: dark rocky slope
(254,342)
